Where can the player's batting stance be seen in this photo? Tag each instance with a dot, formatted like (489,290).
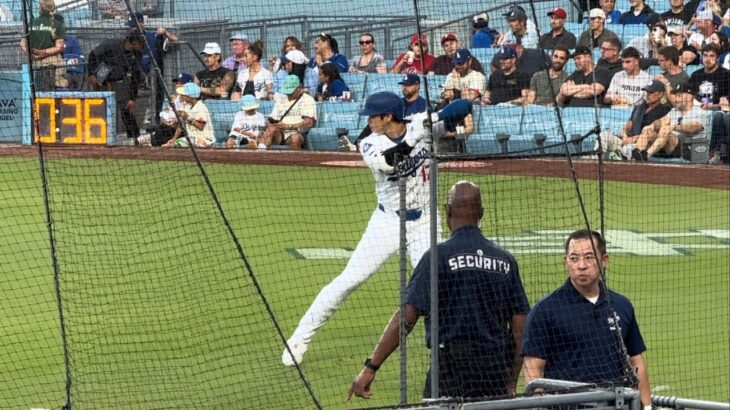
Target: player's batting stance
(395,147)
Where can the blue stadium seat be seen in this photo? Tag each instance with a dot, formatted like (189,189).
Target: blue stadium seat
(489,122)
(383,82)
(356,83)
(485,56)
(577,121)
(322,139)
(434,82)
(569,66)
(631,31)
(265,107)
(575,28)
(614,119)
(222,113)
(338,115)
(692,68)
(654,70)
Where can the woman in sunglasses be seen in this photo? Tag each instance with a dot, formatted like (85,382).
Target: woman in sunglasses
(369,61)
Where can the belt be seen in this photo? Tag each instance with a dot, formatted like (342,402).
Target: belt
(411,214)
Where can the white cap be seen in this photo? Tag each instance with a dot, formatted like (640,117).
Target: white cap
(296,57)
(704,15)
(597,13)
(211,48)
(482,16)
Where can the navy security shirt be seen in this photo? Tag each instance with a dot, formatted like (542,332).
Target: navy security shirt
(479,291)
(578,339)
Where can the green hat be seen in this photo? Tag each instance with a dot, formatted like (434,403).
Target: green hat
(291,83)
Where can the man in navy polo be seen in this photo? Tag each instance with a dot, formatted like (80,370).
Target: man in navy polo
(482,309)
(571,334)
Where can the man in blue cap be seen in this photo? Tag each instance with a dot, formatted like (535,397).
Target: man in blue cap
(468,82)
(412,100)
(507,85)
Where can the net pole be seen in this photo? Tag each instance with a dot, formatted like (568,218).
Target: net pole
(403,325)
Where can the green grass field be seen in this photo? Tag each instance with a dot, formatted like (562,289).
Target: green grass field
(161,313)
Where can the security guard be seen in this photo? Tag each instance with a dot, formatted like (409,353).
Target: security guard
(482,309)
(47,33)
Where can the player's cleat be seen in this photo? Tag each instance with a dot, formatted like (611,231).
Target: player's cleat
(298,348)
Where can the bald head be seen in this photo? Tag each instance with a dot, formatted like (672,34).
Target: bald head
(464,205)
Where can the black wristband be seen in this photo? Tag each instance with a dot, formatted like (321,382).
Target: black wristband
(370,365)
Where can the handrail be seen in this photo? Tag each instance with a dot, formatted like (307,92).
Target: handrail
(678,402)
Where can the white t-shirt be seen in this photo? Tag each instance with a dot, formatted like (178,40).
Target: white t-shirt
(260,81)
(245,122)
(528,40)
(415,167)
(630,88)
(206,136)
(472,81)
(305,107)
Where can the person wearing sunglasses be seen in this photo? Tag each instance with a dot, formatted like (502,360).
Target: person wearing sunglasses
(369,61)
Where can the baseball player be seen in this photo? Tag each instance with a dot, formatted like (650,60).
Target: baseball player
(394,148)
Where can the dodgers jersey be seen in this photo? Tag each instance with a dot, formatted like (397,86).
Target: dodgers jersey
(415,167)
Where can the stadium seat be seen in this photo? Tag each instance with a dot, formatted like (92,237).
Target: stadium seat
(434,84)
(538,120)
(383,82)
(491,121)
(631,31)
(577,121)
(265,107)
(338,115)
(322,139)
(575,28)
(569,66)
(485,56)
(356,83)
(692,68)
(222,113)
(654,70)
(614,119)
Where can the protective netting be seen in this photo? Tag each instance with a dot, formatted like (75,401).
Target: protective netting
(126,285)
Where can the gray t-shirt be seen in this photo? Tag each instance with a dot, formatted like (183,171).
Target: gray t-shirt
(677,116)
(540,84)
(676,79)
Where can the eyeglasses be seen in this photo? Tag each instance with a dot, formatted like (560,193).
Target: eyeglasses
(362,43)
(608,49)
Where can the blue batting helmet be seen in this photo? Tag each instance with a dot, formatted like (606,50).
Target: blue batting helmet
(384,102)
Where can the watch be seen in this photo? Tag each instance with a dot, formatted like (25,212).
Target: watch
(370,365)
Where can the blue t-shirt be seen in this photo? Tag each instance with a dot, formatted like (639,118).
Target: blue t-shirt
(484,38)
(338,60)
(614,17)
(578,340)
(479,291)
(415,107)
(151,37)
(335,89)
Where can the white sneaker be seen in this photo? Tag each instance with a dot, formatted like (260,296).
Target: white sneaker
(298,348)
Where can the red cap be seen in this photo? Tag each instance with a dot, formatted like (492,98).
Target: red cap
(558,12)
(414,38)
(449,37)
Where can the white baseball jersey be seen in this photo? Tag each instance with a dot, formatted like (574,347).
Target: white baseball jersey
(415,166)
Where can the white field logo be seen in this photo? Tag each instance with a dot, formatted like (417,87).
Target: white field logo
(551,242)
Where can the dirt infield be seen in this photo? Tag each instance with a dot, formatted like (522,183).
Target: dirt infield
(716,177)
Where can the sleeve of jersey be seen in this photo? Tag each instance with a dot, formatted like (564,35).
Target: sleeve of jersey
(372,153)
(535,337)
(418,291)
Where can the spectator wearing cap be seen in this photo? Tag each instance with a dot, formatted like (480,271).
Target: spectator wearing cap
(483,35)
(678,15)
(327,51)
(584,88)
(638,13)
(331,86)
(610,59)
(291,118)
(247,125)
(215,81)
(705,28)
(545,85)
(237,62)
(688,55)
(293,62)
(626,87)
(712,82)
(529,60)
(520,30)
(412,100)
(456,132)
(275,64)
(597,33)
(665,136)
(196,120)
(182,79)
(507,85)
(255,79)
(640,123)
(443,64)
(412,61)
(369,61)
(673,74)
(649,44)
(558,35)
(613,15)
(469,83)
(111,70)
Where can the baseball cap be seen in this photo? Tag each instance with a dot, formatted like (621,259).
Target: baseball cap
(295,56)
(558,12)
(291,83)
(135,17)
(704,15)
(683,87)
(410,79)
(189,89)
(716,20)
(480,16)
(674,29)
(238,36)
(183,78)
(248,102)
(654,86)
(384,102)
(517,14)
(507,52)
(462,55)
(211,48)
(597,13)
(449,37)
(581,51)
(414,38)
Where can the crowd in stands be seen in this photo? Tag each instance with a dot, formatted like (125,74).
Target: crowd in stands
(684,48)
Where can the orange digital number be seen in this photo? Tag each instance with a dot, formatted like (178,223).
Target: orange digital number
(75,120)
(51,104)
(90,122)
